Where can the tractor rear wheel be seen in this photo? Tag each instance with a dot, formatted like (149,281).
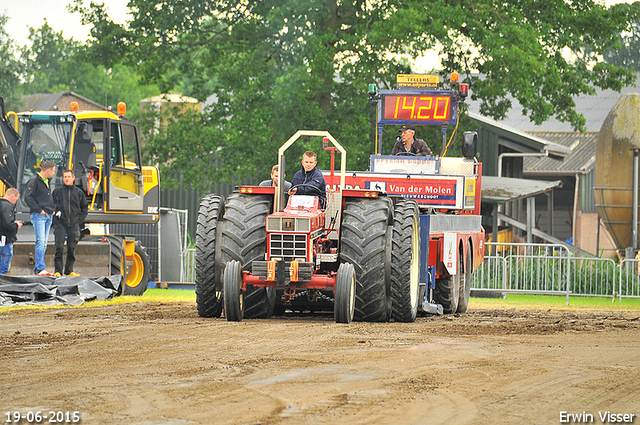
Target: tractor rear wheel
(244,239)
(447,291)
(345,297)
(208,270)
(363,243)
(233,296)
(465,283)
(405,261)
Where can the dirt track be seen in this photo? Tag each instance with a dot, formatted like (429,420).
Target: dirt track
(161,364)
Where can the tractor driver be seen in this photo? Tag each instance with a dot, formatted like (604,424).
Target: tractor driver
(409,144)
(311,179)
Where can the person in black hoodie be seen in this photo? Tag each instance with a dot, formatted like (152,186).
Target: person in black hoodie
(41,206)
(71,211)
(311,179)
(8,228)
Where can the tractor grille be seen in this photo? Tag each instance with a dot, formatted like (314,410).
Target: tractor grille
(288,247)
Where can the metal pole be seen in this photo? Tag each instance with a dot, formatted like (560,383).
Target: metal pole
(495,229)
(531,212)
(634,220)
(280,195)
(598,237)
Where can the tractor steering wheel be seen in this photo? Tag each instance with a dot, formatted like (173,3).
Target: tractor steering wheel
(319,192)
(405,154)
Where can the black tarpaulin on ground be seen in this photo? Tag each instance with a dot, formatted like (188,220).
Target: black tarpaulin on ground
(46,290)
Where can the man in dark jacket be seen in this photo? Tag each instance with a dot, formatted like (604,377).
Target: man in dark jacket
(408,144)
(71,211)
(38,198)
(310,176)
(8,228)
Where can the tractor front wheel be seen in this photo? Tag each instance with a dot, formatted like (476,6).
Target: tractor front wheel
(233,296)
(345,298)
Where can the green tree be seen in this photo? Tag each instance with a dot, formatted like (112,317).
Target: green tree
(275,66)
(54,63)
(10,69)
(50,62)
(626,53)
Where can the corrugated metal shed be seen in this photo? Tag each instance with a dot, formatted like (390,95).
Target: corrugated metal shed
(529,141)
(580,160)
(499,190)
(595,109)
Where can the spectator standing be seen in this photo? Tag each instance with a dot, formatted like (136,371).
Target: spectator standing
(71,211)
(40,201)
(8,228)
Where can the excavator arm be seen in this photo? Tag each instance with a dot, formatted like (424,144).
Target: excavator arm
(9,140)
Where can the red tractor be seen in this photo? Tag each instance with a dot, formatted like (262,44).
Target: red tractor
(306,257)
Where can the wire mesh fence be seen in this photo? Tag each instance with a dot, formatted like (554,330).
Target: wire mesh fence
(189,265)
(551,269)
(519,267)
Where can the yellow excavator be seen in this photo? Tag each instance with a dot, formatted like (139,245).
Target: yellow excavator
(102,147)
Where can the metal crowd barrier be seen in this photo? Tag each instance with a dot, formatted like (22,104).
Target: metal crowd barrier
(552,270)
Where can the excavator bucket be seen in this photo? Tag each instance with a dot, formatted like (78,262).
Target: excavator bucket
(93,259)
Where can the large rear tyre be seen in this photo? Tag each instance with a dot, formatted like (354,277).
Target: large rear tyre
(447,291)
(405,261)
(244,239)
(363,242)
(345,297)
(465,283)
(208,265)
(137,273)
(233,296)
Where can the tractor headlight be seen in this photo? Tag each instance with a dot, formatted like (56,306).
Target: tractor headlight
(302,225)
(273,224)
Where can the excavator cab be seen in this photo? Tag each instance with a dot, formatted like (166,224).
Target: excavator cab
(102,150)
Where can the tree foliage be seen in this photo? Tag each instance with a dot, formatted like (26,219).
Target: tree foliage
(10,69)
(626,52)
(54,63)
(272,67)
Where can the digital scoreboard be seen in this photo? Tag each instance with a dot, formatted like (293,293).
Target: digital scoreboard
(417,107)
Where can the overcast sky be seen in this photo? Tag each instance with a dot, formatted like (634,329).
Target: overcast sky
(32,13)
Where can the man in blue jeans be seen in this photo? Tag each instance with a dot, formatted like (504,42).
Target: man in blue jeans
(41,205)
(8,228)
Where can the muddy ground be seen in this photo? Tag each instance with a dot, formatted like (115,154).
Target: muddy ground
(159,363)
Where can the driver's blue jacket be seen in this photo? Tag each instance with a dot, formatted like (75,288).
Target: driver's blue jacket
(312,178)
